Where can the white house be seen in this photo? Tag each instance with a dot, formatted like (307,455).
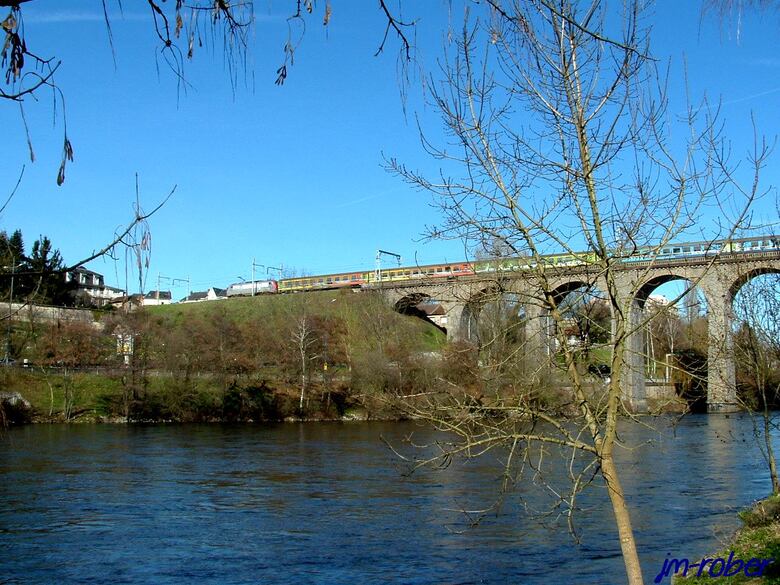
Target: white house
(157,297)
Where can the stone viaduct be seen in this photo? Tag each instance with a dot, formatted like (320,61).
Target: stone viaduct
(718,279)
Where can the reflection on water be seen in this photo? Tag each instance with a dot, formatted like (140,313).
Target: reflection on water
(327,503)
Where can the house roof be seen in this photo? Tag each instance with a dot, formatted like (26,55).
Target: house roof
(196,296)
(220,292)
(82,270)
(165,295)
(431,309)
(134,298)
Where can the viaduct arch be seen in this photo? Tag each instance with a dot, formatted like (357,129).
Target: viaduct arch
(719,280)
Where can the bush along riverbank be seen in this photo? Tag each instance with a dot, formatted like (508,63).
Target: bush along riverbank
(319,356)
(323,355)
(44,397)
(752,557)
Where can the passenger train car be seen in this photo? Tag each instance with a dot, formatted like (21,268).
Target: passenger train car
(358,279)
(457,269)
(707,248)
(526,262)
(668,252)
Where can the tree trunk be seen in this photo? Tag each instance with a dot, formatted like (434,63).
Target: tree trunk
(622,520)
(770,452)
(303,388)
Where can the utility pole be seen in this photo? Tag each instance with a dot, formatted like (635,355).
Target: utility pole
(7,358)
(173,282)
(379,254)
(254,284)
(182,280)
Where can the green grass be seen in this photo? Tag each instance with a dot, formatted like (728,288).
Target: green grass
(365,315)
(46,391)
(760,538)
(365,331)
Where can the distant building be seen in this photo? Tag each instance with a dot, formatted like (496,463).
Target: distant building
(195,297)
(435,312)
(659,300)
(127,303)
(213,294)
(157,297)
(90,288)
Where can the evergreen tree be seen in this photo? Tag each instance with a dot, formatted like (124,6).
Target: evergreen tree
(16,247)
(46,280)
(38,277)
(12,261)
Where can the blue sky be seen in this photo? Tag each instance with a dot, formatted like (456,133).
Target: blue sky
(287,175)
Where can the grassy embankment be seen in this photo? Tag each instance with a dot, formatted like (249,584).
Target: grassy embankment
(241,359)
(759,538)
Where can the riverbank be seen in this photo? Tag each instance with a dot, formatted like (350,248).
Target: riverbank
(120,397)
(758,539)
(314,356)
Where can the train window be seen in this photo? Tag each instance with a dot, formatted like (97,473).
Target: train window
(665,251)
(675,250)
(686,249)
(322,280)
(407,273)
(448,269)
(355,277)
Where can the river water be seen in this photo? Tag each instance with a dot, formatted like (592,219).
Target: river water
(328,503)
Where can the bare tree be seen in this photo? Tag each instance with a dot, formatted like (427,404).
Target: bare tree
(559,141)
(730,12)
(757,348)
(304,340)
(181,28)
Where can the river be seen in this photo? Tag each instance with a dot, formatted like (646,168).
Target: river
(329,503)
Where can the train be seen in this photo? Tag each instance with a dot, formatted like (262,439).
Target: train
(246,289)
(360,279)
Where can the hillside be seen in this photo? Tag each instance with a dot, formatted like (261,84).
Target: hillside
(308,355)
